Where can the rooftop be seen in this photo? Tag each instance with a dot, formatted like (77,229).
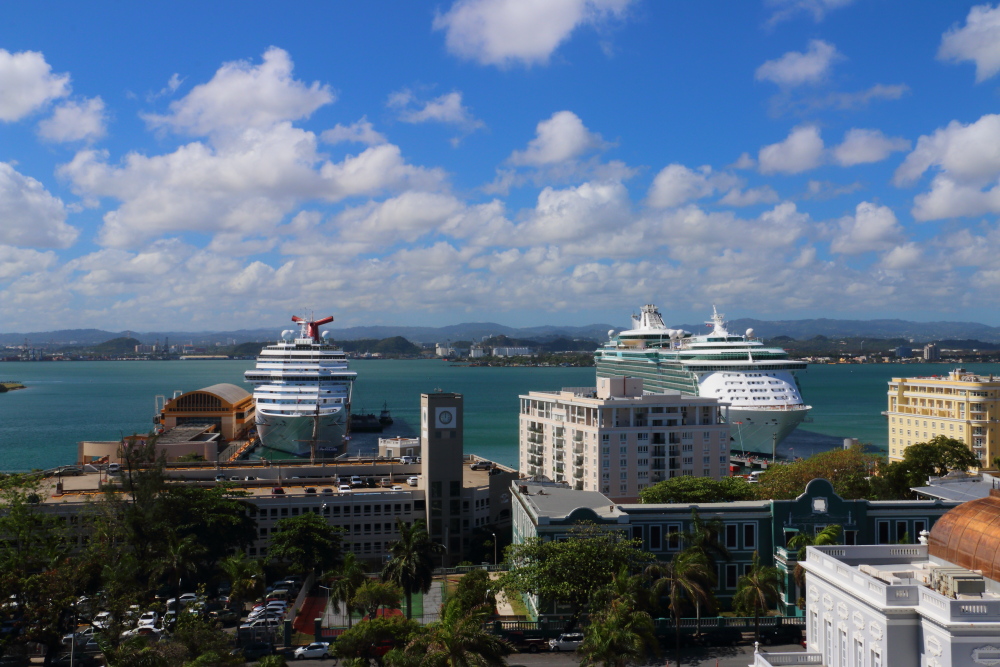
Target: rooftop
(557,503)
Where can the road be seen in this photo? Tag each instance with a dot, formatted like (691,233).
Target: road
(723,656)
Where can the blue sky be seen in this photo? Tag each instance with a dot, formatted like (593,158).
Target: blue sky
(222,165)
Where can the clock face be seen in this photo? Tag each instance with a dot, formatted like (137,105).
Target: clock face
(445,417)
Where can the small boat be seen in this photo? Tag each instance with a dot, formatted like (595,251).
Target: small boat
(385,418)
(365,423)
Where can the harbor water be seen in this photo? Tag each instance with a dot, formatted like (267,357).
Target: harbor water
(66,402)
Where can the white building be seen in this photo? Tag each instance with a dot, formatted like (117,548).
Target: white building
(393,448)
(935,604)
(513,352)
(615,440)
(443,350)
(476,352)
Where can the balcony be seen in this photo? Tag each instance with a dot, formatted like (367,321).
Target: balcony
(578,460)
(578,437)
(536,449)
(578,473)
(534,460)
(578,449)
(535,438)
(559,467)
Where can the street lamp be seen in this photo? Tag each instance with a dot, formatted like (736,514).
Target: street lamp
(326,609)
(494,548)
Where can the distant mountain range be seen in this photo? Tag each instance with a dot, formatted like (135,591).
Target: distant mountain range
(798,329)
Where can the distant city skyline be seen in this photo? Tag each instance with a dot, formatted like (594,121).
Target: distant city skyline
(217,167)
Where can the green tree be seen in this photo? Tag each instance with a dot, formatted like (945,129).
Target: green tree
(828,535)
(757,591)
(848,470)
(307,542)
(460,639)
(366,643)
(246,577)
(374,595)
(689,489)
(570,571)
(200,637)
(705,537)
(687,578)
(179,558)
(344,583)
(617,636)
(411,562)
(475,589)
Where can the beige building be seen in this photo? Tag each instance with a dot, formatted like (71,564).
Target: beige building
(615,440)
(959,405)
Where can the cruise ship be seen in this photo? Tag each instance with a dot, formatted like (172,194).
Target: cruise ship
(302,389)
(757,383)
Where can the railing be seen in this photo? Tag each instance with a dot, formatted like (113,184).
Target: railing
(768,659)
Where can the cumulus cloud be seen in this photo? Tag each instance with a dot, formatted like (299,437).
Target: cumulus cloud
(572,213)
(816,9)
(242,95)
(750,196)
(360,132)
(27,84)
(906,256)
(31,215)
(872,227)
(801,151)
(447,109)
(862,146)
(558,139)
(796,68)
(978,40)
(19,261)
(406,217)
(676,184)
(75,121)
(247,185)
(526,32)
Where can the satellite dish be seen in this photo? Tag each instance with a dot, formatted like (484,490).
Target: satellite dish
(611,334)
(749,333)
(326,334)
(287,334)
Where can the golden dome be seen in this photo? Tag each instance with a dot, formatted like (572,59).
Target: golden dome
(969,536)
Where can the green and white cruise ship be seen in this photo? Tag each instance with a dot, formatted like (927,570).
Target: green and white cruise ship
(756,383)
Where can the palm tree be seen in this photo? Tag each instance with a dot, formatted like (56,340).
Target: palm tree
(344,583)
(246,577)
(179,558)
(828,535)
(460,639)
(687,576)
(758,589)
(629,590)
(706,537)
(620,632)
(412,561)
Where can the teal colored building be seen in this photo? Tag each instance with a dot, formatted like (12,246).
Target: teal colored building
(549,512)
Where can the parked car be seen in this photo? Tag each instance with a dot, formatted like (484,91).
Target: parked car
(277,491)
(567,641)
(481,465)
(527,644)
(315,650)
(344,488)
(357,482)
(187,598)
(397,487)
(148,619)
(310,489)
(413,481)
(73,471)
(103,620)
(327,491)
(77,659)
(224,616)
(114,469)
(220,478)
(407,459)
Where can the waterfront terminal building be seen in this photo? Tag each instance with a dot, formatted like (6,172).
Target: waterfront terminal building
(615,440)
(935,604)
(549,512)
(960,405)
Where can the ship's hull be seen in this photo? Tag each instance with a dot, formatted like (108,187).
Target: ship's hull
(293,434)
(761,429)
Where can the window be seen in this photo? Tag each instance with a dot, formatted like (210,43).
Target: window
(876,660)
(859,653)
(828,644)
(813,626)
(919,526)
(901,534)
(749,536)
(732,536)
(637,533)
(882,528)
(732,576)
(655,538)
(673,536)
(843,648)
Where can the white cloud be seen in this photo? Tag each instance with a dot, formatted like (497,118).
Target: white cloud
(676,184)
(817,9)
(447,109)
(744,161)
(558,139)
(872,227)
(75,121)
(31,215)
(796,68)
(241,95)
(801,151)
(27,84)
(19,261)
(906,256)
(361,132)
(978,40)
(965,152)
(406,217)
(787,102)
(247,185)
(863,146)
(749,197)
(527,32)
(574,213)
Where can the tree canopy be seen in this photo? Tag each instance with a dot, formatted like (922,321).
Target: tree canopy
(847,469)
(307,543)
(690,489)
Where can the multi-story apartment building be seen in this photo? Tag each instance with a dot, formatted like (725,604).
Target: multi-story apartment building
(959,405)
(615,440)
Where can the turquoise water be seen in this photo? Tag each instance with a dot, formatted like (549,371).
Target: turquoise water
(70,401)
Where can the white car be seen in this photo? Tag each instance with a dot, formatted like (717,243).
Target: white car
(413,481)
(261,623)
(344,488)
(568,641)
(103,620)
(357,482)
(187,599)
(148,619)
(315,650)
(397,487)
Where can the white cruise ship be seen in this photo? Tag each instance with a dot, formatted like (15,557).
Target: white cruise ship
(302,389)
(757,383)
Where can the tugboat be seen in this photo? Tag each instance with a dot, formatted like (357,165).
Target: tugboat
(385,418)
